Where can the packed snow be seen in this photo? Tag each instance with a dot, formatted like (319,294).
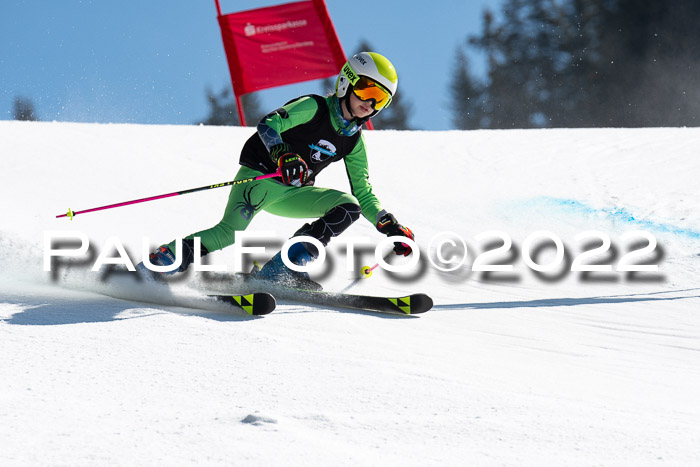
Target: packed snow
(517,367)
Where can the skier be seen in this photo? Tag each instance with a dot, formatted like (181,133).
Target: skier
(298,141)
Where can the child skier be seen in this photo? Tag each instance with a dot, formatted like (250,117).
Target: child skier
(298,141)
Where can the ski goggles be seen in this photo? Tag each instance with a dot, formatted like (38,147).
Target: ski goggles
(368,90)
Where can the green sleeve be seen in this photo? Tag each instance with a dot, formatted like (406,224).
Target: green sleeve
(288,116)
(358,174)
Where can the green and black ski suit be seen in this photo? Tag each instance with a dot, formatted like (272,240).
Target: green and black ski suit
(314,128)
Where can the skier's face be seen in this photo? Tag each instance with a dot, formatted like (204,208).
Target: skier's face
(360,108)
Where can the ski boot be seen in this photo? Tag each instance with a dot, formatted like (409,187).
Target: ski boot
(164,256)
(276,271)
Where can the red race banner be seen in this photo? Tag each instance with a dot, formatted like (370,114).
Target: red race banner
(279,45)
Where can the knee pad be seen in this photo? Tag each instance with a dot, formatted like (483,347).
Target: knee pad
(331,224)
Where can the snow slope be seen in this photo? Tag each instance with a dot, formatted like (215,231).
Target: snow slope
(510,368)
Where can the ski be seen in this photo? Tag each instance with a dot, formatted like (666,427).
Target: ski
(255,304)
(407,305)
(240,282)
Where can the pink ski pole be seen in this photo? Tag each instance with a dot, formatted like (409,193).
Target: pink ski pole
(71,214)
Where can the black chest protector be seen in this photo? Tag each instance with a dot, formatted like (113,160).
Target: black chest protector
(316,141)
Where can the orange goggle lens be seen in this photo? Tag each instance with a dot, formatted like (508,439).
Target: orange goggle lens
(365,89)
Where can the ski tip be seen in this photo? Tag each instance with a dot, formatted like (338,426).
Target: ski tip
(256,304)
(415,304)
(426,301)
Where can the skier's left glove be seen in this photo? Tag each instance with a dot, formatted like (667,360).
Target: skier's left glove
(389,226)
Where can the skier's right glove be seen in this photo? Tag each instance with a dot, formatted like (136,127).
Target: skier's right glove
(293,169)
(389,226)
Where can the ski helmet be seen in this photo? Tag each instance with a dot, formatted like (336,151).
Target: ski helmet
(371,76)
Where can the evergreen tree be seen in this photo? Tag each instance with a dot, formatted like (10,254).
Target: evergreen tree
(651,62)
(526,64)
(223,109)
(468,105)
(23,109)
(581,63)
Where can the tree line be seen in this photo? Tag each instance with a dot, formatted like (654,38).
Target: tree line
(582,63)
(550,64)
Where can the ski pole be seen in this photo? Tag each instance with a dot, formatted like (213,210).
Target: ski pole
(71,214)
(366,272)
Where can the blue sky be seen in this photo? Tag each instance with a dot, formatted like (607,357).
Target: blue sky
(135,61)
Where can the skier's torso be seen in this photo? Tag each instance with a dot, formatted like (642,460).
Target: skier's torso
(310,131)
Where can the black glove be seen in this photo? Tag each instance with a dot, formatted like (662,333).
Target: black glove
(389,226)
(292,168)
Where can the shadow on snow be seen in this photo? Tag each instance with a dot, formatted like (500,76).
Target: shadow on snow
(566,302)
